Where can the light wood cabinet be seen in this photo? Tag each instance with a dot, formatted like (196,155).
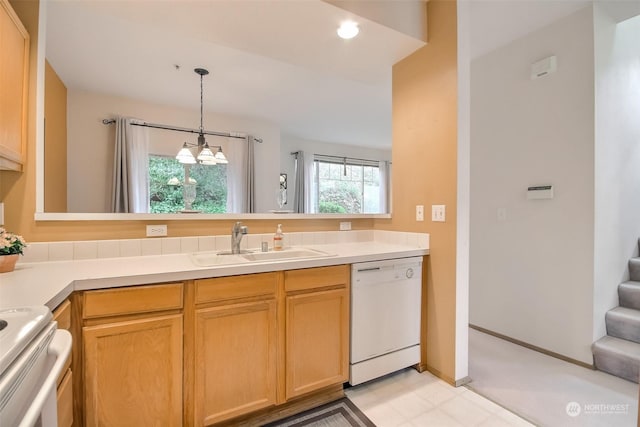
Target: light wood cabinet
(235,360)
(132,354)
(133,372)
(317,329)
(14,81)
(64,397)
(235,341)
(64,391)
(243,349)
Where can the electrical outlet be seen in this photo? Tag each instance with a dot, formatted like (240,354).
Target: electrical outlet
(438,213)
(345,226)
(156,230)
(419,213)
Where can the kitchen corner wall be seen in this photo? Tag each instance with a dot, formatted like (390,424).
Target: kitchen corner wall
(424,171)
(531,261)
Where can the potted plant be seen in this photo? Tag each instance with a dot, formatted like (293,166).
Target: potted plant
(11,245)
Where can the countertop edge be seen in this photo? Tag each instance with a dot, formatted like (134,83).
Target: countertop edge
(72,275)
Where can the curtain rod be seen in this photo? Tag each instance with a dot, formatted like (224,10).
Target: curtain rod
(345,158)
(180,129)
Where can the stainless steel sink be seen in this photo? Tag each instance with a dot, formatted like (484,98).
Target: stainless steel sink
(210,259)
(290,253)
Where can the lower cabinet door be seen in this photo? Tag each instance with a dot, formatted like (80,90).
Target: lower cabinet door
(317,341)
(64,396)
(235,360)
(133,372)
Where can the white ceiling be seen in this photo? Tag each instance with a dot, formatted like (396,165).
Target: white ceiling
(277,60)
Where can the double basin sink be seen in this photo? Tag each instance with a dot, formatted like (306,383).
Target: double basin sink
(208,259)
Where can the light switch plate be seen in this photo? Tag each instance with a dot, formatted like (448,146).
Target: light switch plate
(419,212)
(438,213)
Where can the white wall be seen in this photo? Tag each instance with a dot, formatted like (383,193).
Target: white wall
(463,191)
(291,143)
(90,145)
(617,158)
(531,274)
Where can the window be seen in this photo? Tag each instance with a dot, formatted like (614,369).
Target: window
(349,185)
(165,197)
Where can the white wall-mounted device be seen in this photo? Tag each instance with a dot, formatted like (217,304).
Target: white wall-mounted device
(544,67)
(540,192)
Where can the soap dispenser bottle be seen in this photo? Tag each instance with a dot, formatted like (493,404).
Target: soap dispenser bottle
(278,239)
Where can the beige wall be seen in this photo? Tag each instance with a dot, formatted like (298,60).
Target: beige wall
(55,133)
(424,158)
(92,159)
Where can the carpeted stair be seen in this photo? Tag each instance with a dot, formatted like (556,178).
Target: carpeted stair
(618,353)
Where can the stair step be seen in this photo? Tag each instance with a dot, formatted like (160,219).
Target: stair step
(634,269)
(629,295)
(623,323)
(618,357)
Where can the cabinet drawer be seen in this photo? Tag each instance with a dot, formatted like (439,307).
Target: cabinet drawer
(62,315)
(235,287)
(64,395)
(312,278)
(132,300)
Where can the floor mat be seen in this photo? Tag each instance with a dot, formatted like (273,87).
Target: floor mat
(341,413)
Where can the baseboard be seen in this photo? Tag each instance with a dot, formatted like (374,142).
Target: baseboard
(533,347)
(463,381)
(440,375)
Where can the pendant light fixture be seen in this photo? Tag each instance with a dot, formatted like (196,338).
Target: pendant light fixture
(205,156)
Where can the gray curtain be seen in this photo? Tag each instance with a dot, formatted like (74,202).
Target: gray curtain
(130,190)
(250,195)
(299,195)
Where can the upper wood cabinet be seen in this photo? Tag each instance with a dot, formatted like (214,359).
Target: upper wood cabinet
(14,81)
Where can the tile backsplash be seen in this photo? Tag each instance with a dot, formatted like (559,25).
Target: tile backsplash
(92,249)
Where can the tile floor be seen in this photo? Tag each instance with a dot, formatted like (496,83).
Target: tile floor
(411,399)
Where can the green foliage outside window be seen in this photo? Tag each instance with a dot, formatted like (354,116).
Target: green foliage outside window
(356,191)
(211,188)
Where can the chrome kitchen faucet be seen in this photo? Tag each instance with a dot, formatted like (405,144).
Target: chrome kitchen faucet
(237,232)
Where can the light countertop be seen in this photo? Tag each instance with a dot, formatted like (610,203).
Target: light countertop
(50,283)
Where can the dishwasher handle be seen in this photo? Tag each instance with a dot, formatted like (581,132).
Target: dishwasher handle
(361,270)
(45,401)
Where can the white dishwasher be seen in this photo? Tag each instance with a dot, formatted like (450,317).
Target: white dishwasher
(385,317)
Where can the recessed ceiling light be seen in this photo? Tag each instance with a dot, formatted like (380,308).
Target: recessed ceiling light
(348,30)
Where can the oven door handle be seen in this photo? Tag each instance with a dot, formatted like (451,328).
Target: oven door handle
(45,401)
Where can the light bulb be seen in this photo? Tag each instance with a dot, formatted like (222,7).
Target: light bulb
(348,30)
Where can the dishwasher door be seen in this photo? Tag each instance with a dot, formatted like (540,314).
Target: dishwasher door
(385,307)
